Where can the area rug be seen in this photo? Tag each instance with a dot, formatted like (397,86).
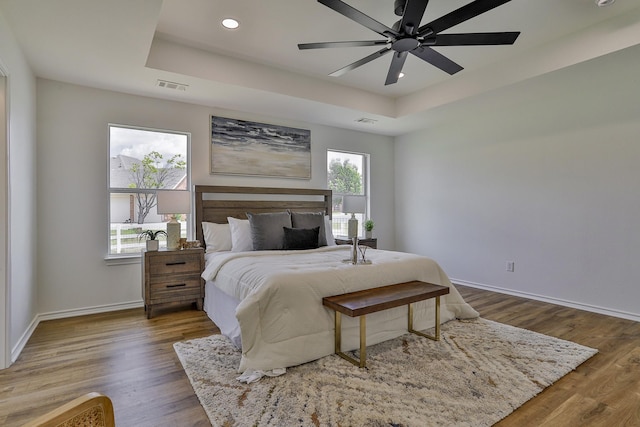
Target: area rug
(478,373)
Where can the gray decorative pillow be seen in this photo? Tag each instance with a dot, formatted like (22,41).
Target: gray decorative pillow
(300,238)
(267,230)
(310,220)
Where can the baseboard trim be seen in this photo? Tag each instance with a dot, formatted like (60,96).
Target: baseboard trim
(17,349)
(572,304)
(90,310)
(22,342)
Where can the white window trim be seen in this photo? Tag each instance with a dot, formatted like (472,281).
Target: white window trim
(134,258)
(365,178)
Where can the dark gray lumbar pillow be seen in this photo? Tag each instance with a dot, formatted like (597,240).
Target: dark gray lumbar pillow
(301,238)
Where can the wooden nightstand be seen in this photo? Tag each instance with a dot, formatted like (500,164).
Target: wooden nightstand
(172,277)
(372,242)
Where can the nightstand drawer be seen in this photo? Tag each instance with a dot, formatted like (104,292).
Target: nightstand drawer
(180,287)
(163,265)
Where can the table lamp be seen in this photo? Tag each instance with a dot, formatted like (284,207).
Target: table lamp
(353,205)
(173,202)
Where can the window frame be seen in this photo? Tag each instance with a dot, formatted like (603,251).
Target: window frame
(125,258)
(366,162)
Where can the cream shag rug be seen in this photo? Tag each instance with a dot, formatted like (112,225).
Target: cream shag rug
(478,373)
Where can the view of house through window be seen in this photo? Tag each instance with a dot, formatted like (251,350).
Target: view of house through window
(142,161)
(347,174)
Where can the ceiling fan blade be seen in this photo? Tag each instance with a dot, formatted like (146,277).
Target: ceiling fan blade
(321,45)
(396,67)
(436,59)
(357,64)
(459,15)
(359,17)
(413,13)
(475,39)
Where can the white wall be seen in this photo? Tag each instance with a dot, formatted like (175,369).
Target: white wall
(5,312)
(18,283)
(72,198)
(545,174)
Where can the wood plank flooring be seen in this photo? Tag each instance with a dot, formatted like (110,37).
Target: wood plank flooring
(121,354)
(131,359)
(603,391)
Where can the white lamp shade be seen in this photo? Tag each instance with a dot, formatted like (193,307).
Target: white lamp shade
(172,202)
(354,204)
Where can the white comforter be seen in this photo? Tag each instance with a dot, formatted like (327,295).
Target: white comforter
(283,322)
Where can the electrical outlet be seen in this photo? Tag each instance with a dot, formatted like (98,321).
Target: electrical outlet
(511,266)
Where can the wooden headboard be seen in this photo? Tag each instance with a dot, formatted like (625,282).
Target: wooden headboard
(215,203)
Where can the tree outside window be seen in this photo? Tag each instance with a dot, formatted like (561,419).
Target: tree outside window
(153,172)
(344,177)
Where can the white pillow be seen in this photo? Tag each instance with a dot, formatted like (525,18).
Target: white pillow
(328,231)
(240,235)
(217,237)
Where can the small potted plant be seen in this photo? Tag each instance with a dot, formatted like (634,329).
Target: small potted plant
(151,237)
(368,228)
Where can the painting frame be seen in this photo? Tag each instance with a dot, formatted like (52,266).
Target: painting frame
(248,148)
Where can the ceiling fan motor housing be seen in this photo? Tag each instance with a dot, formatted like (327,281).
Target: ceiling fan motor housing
(406,44)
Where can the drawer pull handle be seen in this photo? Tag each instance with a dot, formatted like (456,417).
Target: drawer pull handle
(176,263)
(180,285)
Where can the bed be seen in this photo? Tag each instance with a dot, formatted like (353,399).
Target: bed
(269,302)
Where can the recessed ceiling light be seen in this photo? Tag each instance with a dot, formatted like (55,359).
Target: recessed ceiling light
(603,3)
(401,75)
(230,23)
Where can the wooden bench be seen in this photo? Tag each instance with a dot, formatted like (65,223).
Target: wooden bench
(361,303)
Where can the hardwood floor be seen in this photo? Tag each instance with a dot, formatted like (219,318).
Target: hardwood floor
(603,391)
(131,359)
(121,354)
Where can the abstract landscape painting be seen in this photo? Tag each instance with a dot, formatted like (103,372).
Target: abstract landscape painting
(240,147)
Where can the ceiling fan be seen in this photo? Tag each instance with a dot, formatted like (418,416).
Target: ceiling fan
(407,36)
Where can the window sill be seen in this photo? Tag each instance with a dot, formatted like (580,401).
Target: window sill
(122,259)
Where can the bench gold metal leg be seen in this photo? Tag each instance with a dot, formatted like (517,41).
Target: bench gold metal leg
(363,334)
(435,337)
(363,341)
(338,333)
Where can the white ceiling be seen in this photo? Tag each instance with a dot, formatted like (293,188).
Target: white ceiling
(127,45)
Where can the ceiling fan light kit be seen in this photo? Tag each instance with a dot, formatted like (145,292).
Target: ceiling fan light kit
(408,36)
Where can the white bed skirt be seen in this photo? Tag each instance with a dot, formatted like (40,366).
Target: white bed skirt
(221,308)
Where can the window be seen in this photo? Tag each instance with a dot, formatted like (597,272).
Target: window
(347,174)
(140,162)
